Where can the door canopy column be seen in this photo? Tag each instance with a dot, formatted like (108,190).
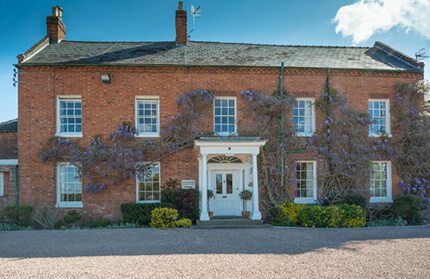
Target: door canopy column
(204,216)
(256,215)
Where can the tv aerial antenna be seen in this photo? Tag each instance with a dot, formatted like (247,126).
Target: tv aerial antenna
(195,13)
(421,55)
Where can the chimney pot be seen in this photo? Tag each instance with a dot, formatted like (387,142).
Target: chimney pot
(181,5)
(55,28)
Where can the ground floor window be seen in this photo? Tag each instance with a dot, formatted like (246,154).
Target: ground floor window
(306,190)
(380,182)
(1,184)
(148,183)
(69,186)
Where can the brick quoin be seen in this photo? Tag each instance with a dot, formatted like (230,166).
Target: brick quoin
(105,106)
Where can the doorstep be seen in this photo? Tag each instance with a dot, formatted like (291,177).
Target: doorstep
(231,223)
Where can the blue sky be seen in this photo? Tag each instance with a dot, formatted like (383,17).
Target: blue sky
(298,22)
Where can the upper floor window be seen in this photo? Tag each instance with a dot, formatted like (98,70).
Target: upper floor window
(380,182)
(306,190)
(225,115)
(69,116)
(148,117)
(69,186)
(148,183)
(379,113)
(304,117)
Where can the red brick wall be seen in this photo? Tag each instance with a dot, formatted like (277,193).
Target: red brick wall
(8,145)
(9,196)
(107,105)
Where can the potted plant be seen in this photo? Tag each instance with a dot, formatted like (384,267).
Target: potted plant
(245,196)
(210,196)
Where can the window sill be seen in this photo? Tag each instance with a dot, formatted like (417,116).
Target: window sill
(380,135)
(63,135)
(157,135)
(70,205)
(159,201)
(304,135)
(305,201)
(381,200)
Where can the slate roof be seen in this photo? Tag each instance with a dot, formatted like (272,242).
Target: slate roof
(9,126)
(378,57)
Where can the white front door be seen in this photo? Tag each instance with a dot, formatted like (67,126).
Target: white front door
(225,185)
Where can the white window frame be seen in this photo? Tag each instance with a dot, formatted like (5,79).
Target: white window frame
(389,197)
(159,182)
(235,116)
(387,117)
(300,134)
(313,199)
(58,121)
(1,184)
(66,204)
(136,116)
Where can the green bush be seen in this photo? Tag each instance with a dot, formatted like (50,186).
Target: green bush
(397,221)
(355,198)
(13,227)
(17,215)
(140,213)
(183,223)
(97,223)
(380,211)
(409,207)
(186,201)
(72,217)
(164,218)
(286,215)
(333,216)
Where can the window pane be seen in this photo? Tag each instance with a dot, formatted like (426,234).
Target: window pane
(147,116)
(229,182)
(224,116)
(379,179)
(148,183)
(305,180)
(303,117)
(378,113)
(69,183)
(218,183)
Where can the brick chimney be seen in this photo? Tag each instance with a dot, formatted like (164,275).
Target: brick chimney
(181,25)
(55,28)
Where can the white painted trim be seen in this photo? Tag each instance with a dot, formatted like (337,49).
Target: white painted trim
(58,132)
(235,115)
(389,197)
(313,125)
(159,184)
(149,98)
(1,184)
(309,200)
(9,162)
(62,204)
(387,118)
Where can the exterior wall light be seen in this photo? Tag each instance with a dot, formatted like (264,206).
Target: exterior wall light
(105,78)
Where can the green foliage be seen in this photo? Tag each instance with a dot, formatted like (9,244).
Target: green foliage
(164,218)
(186,201)
(97,223)
(183,223)
(140,213)
(381,211)
(355,198)
(333,216)
(47,217)
(396,221)
(245,195)
(286,215)
(211,194)
(72,217)
(13,227)
(17,215)
(409,207)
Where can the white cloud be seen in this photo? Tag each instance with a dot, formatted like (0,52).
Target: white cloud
(364,18)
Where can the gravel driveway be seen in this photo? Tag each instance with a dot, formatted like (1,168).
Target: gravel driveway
(218,253)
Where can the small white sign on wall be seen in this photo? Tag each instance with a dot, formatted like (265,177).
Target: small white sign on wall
(188,184)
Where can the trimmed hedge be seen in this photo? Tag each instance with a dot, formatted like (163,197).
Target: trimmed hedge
(409,207)
(186,201)
(140,213)
(17,215)
(316,216)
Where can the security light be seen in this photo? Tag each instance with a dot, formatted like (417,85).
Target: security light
(105,78)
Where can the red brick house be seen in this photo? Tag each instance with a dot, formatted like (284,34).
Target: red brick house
(8,163)
(80,89)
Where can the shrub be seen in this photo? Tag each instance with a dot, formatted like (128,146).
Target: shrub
(355,198)
(333,216)
(137,213)
(183,223)
(286,215)
(17,215)
(72,217)
(164,218)
(186,201)
(396,221)
(97,223)
(409,207)
(380,212)
(47,217)
(13,227)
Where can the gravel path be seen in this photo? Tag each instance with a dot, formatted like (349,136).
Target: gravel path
(257,253)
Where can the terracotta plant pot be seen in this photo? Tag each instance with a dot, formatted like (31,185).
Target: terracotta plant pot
(211,214)
(245,214)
